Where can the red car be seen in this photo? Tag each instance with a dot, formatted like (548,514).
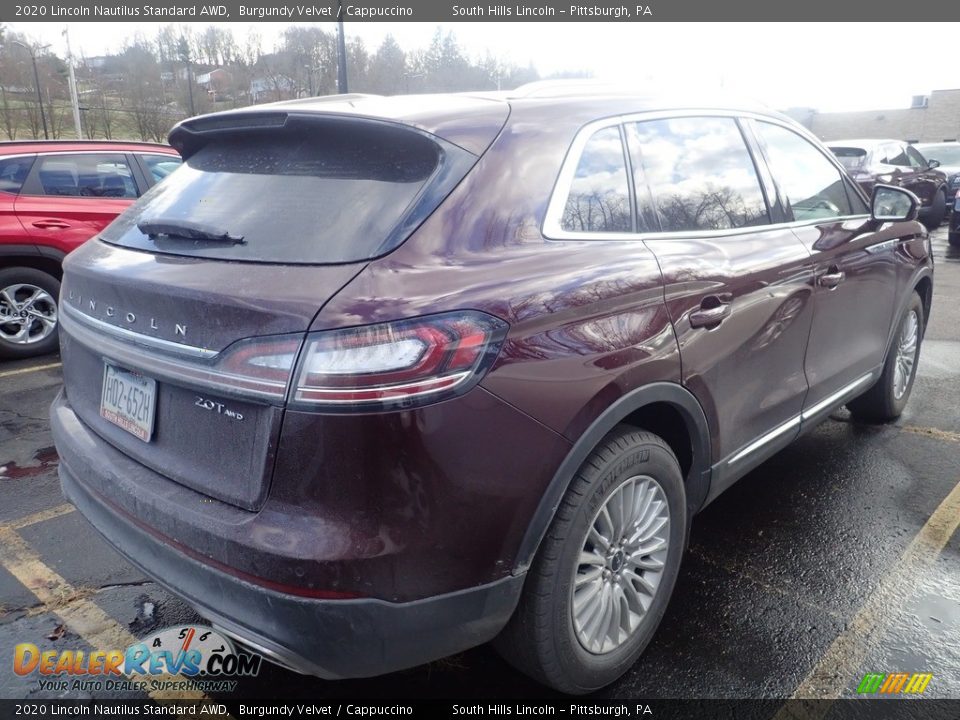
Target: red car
(54,196)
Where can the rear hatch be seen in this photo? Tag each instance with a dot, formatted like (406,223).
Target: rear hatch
(181,324)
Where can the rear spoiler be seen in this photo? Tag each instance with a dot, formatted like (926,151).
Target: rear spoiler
(188,136)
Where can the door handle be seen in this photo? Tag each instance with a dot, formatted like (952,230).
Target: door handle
(832,278)
(712,312)
(47,224)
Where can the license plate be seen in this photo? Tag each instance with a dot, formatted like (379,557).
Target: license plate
(128,400)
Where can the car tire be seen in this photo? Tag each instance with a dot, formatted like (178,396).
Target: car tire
(552,636)
(34,293)
(936,212)
(887,398)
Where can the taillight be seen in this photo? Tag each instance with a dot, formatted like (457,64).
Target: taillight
(260,365)
(397,364)
(258,368)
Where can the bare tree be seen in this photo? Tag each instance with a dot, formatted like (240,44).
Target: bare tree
(143,88)
(7,114)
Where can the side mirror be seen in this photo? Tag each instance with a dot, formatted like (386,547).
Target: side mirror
(893,204)
(933,164)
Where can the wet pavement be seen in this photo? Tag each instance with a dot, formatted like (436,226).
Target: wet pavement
(820,566)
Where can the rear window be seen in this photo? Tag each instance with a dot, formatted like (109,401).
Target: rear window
(850,158)
(331,193)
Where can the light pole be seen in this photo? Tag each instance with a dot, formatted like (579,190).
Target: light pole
(309,69)
(74,96)
(341,52)
(36,79)
(184,49)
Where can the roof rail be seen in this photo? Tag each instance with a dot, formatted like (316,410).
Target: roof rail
(313,99)
(573,86)
(8,143)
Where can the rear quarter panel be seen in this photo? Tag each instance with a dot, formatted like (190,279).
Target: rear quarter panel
(587,318)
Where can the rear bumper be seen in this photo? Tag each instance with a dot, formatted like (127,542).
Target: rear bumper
(329,638)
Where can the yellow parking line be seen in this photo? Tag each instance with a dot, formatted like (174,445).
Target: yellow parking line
(48,514)
(24,371)
(835,670)
(80,614)
(933,432)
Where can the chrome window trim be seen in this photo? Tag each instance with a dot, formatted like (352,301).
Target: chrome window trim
(18,155)
(137,338)
(552,228)
(45,153)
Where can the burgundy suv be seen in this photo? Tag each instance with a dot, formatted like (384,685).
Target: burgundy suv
(370,381)
(895,162)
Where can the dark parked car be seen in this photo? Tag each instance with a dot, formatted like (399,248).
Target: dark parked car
(370,381)
(55,195)
(894,162)
(948,155)
(953,234)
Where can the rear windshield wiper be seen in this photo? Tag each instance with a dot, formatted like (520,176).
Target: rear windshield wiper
(187,230)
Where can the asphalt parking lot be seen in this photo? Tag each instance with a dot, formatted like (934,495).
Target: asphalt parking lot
(838,557)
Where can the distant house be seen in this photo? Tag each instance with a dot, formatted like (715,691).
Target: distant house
(273,87)
(216,81)
(18,89)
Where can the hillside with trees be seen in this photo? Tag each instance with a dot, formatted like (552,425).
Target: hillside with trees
(152,82)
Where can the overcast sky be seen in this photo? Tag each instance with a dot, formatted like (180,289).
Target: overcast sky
(829,66)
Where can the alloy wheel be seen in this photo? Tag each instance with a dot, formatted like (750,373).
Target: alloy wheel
(906,354)
(28,314)
(621,564)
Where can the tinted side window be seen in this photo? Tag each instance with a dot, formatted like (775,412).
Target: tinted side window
(916,159)
(895,155)
(161,165)
(94,175)
(13,171)
(812,186)
(700,173)
(599,199)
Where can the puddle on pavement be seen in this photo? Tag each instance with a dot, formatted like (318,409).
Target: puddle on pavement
(937,613)
(46,458)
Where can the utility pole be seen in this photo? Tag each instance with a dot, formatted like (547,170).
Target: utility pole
(184,50)
(74,96)
(36,79)
(341,52)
